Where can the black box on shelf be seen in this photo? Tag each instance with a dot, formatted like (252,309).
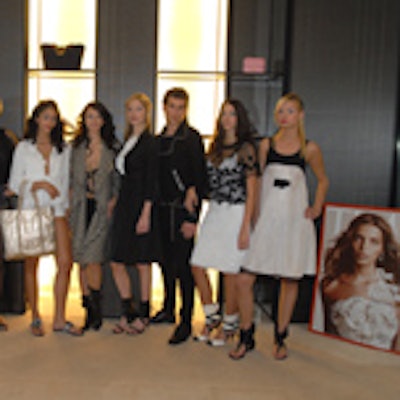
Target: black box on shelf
(67,57)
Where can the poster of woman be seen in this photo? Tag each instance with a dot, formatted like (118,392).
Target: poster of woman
(357,288)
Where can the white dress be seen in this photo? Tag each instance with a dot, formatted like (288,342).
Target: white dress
(283,243)
(216,243)
(370,320)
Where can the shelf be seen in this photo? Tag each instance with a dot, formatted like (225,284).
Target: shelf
(62,74)
(241,76)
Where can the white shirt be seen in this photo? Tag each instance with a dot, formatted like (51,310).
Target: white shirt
(120,159)
(28,165)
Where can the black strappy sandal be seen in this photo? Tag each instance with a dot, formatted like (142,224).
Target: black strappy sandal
(280,352)
(246,343)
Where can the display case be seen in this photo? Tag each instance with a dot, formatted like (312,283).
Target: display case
(62,23)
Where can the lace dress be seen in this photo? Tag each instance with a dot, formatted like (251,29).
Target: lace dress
(370,320)
(217,239)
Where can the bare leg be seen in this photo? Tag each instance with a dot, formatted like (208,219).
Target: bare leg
(93,276)
(230,318)
(31,285)
(64,266)
(211,310)
(287,301)
(203,284)
(245,295)
(231,303)
(145,281)
(121,279)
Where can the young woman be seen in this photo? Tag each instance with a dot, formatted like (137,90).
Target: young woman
(42,162)
(361,284)
(225,232)
(134,238)
(93,187)
(283,243)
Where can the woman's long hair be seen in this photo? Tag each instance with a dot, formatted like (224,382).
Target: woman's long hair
(300,104)
(245,131)
(107,130)
(56,135)
(340,259)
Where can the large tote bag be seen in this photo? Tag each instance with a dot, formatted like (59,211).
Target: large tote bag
(27,233)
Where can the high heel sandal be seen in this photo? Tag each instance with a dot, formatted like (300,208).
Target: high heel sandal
(246,343)
(133,324)
(213,321)
(230,326)
(280,350)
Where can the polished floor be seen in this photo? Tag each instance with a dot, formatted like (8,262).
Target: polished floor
(102,365)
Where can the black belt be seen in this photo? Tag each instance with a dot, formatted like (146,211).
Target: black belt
(281,183)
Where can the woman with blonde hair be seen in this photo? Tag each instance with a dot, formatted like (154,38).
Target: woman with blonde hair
(134,238)
(283,243)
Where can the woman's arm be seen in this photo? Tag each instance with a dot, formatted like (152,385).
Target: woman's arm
(316,161)
(262,160)
(244,234)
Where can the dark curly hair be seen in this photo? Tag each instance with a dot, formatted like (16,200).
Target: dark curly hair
(339,258)
(56,135)
(245,131)
(107,130)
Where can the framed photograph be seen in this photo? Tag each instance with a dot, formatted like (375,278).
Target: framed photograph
(357,287)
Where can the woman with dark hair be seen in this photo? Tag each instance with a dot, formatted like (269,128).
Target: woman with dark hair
(360,287)
(224,234)
(134,240)
(93,190)
(40,164)
(283,243)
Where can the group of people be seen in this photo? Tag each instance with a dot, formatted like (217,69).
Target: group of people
(140,203)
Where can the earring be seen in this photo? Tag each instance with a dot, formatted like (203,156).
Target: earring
(381,259)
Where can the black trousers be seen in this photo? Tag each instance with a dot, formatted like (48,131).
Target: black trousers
(176,251)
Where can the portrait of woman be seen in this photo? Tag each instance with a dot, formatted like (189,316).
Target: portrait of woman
(360,286)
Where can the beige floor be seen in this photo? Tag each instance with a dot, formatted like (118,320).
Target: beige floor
(106,366)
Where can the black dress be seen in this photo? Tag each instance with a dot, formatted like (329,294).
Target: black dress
(138,184)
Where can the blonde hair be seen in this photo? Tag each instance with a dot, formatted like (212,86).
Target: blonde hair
(146,103)
(300,104)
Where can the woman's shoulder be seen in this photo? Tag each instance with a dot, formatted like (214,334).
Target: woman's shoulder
(343,287)
(312,148)
(25,145)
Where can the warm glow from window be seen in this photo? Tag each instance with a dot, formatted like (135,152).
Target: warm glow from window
(191,53)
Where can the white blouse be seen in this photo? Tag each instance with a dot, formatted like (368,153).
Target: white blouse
(370,320)
(28,165)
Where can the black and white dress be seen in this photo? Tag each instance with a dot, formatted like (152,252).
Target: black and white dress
(283,243)
(217,240)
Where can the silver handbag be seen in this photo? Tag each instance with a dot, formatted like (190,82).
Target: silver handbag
(27,233)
